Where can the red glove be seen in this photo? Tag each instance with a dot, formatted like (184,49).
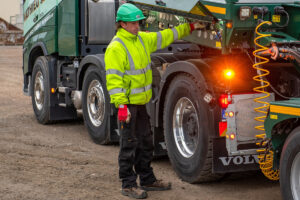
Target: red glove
(192,27)
(122,113)
(196,26)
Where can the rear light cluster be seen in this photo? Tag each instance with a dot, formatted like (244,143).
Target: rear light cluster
(224,100)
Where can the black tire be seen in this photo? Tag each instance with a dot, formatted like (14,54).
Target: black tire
(198,166)
(290,151)
(98,129)
(40,88)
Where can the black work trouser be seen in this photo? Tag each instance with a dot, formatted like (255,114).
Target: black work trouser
(136,149)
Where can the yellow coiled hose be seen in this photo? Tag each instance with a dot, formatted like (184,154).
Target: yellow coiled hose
(265,155)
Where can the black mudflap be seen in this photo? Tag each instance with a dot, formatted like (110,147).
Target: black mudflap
(57,112)
(222,163)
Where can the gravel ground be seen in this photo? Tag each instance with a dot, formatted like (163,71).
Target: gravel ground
(60,161)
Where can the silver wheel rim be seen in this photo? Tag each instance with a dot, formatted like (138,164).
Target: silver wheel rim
(186,127)
(295,177)
(39,90)
(96,103)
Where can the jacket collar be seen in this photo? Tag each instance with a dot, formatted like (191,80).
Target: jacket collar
(122,33)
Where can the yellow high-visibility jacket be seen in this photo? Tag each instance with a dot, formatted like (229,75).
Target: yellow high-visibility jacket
(128,63)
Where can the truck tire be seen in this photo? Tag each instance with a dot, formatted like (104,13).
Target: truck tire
(95,105)
(290,167)
(186,130)
(40,88)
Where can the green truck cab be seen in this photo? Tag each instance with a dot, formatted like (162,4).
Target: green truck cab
(207,129)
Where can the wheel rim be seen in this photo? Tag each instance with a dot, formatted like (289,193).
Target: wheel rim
(295,178)
(39,90)
(96,103)
(186,127)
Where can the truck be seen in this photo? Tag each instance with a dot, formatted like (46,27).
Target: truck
(225,98)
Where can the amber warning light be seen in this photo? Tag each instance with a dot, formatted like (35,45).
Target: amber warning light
(229,25)
(232,136)
(229,74)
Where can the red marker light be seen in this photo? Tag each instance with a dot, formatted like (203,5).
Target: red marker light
(224,101)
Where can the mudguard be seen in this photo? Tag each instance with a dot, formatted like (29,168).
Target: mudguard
(97,60)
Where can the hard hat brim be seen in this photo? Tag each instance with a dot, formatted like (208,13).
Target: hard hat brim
(130,20)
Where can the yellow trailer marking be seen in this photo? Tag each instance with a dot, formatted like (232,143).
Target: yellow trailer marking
(216,9)
(273,116)
(196,10)
(285,110)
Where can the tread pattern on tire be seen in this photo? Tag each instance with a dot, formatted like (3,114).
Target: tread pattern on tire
(290,149)
(106,140)
(206,174)
(46,118)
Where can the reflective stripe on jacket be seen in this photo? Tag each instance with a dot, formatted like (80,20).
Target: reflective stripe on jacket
(128,63)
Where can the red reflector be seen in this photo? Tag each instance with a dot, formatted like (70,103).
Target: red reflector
(222,129)
(223,100)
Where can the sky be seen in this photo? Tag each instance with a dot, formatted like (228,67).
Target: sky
(9,8)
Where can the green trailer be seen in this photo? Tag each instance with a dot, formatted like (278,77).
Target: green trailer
(283,130)
(227,74)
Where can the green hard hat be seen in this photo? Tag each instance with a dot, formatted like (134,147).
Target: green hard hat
(129,13)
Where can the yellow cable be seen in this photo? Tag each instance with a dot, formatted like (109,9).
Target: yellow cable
(265,156)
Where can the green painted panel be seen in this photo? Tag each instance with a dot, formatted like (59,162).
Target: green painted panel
(35,10)
(31,13)
(45,32)
(275,118)
(47,6)
(47,36)
(68,28)
(293,28)
(293,102)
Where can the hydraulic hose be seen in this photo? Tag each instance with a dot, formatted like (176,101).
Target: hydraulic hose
(265,154)
(287,20)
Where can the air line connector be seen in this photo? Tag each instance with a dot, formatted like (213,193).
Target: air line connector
(260,10)
(278,10)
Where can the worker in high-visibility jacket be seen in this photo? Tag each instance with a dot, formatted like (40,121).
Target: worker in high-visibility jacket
(129,80)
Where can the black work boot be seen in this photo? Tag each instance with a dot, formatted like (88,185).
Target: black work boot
(134,192)
(158,185)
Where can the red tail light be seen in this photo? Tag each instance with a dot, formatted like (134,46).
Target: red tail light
(224,101)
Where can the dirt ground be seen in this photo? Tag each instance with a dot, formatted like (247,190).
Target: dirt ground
(60,161)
